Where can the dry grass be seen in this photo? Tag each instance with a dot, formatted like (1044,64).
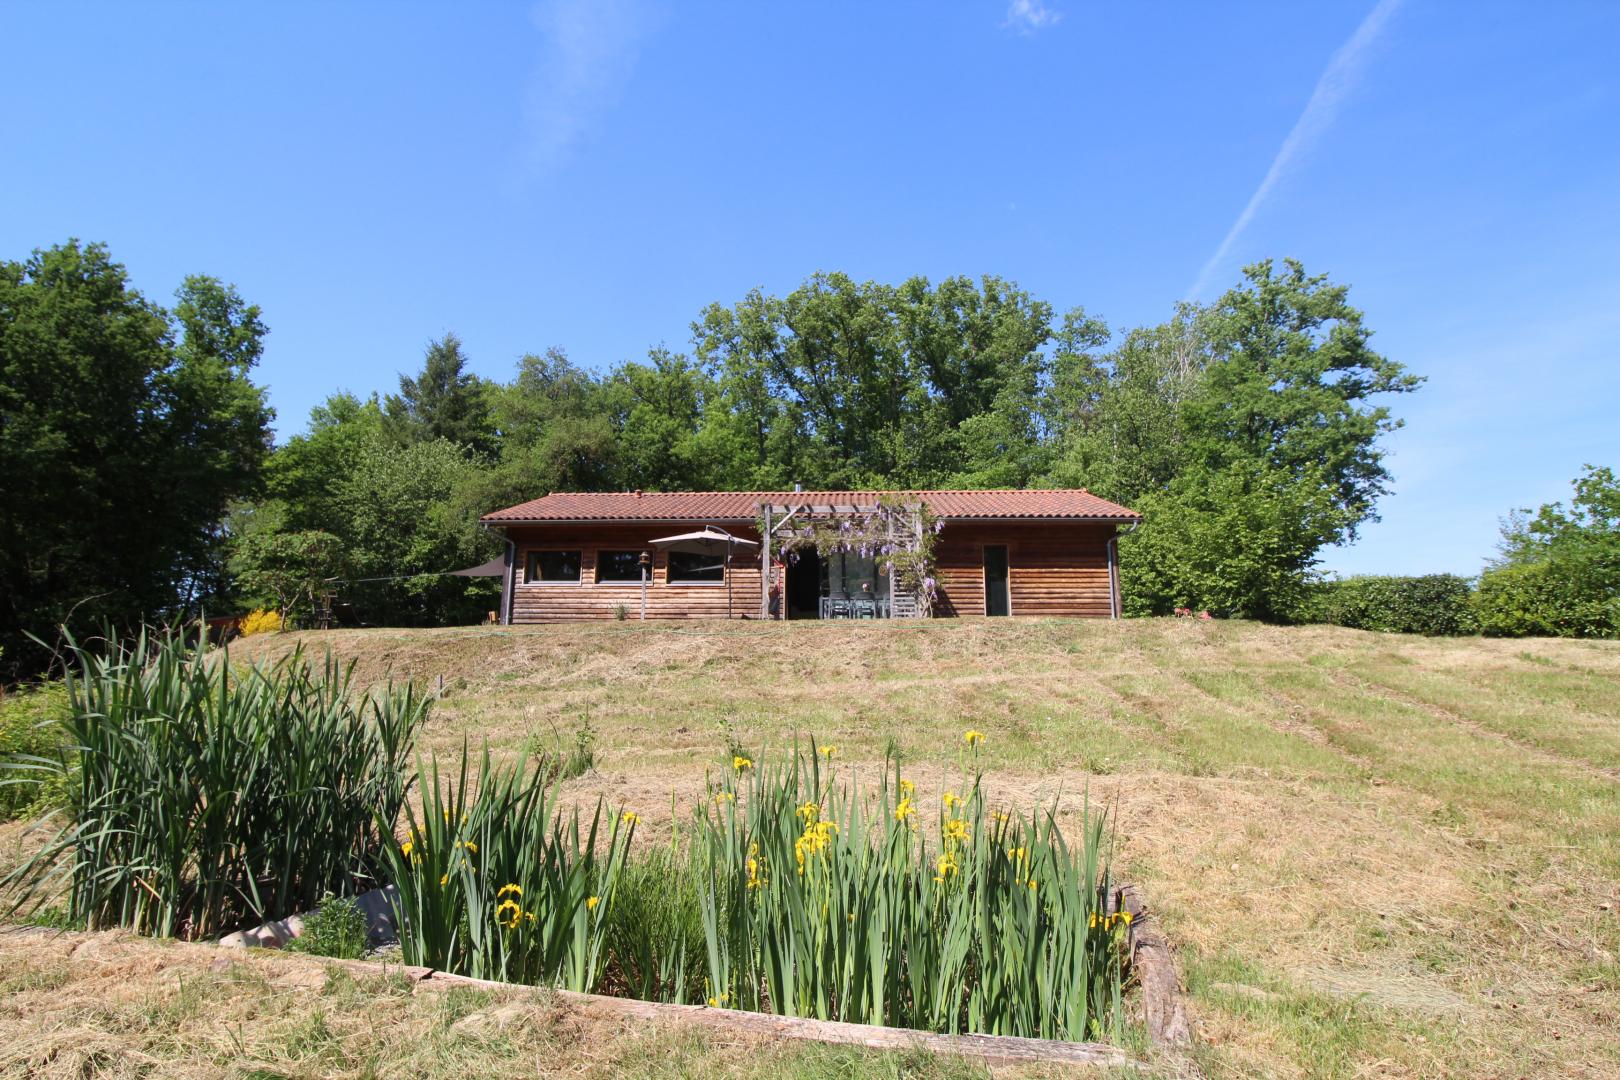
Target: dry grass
(1379,856)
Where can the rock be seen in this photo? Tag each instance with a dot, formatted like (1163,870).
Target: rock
(376,906)
(271,935)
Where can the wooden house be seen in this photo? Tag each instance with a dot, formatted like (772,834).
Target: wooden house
(829,554)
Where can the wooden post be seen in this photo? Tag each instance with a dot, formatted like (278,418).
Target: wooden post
(646,572)
(765,566)
(919,606)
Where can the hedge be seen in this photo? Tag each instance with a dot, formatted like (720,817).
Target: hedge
(1546,599)
(1433,604)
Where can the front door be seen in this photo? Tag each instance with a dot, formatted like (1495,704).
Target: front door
(804,586)
(996,600)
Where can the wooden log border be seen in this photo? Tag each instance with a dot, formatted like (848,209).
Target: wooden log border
(992,1049)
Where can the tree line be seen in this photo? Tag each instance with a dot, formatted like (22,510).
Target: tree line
(141,479)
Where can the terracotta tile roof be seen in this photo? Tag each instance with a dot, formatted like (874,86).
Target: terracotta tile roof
(1075,503)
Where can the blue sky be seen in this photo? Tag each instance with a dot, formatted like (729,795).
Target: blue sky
(590,174)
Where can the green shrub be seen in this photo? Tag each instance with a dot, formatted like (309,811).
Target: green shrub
(1546,599)
(556,761)
(1238,542)
(33,750)
(1434,604)
(337,928)
(1560,570)
(208,797)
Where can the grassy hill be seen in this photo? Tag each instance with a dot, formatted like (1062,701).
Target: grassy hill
(1378,855)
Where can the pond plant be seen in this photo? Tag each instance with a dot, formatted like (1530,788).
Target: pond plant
(496,881)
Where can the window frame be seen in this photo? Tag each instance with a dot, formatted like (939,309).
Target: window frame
(531,567)
(682,583)
(618,582)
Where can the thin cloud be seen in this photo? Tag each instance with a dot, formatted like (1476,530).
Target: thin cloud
(1029,16)
(588,53)
(1337,81)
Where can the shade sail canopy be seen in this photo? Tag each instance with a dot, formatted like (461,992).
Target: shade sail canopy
(704,542)
(494,568)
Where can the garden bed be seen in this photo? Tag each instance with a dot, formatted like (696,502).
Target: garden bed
(802,896)
(1151,966)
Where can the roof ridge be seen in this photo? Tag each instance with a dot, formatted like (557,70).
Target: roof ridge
(833,491)
(985,503)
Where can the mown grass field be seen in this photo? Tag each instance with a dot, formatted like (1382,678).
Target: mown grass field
(1378,856)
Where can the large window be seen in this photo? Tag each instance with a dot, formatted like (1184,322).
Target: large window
(684,566)
(846,576)
(618,567)
(552,567)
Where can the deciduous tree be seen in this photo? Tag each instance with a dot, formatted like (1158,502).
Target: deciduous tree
(125,433)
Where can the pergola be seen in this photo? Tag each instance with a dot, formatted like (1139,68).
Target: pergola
(899,527)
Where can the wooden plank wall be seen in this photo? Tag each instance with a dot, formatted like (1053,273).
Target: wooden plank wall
(564,602)
(1053,568)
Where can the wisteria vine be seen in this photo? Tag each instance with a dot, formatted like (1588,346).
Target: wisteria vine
(872,535)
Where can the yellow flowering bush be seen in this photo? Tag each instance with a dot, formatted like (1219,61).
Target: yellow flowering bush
(261,621)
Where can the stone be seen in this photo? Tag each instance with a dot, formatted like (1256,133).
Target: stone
(376,906)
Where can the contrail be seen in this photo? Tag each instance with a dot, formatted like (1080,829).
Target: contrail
(1331,89)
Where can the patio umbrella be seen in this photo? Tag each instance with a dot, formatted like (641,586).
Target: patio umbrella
(710,540)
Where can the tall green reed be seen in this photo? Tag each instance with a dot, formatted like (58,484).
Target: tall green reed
(655,927)
(207,797)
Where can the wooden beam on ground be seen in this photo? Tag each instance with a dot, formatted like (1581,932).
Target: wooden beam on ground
(995,1049)
(1155,968)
